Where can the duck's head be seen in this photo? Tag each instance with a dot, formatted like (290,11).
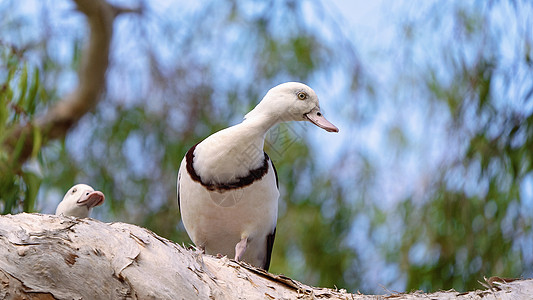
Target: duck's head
(79,201)
(292,101)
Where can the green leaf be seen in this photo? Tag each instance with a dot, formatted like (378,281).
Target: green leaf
(33,182)
(4,113)
(9,188)
(37,141)
(23,85)
(31,100)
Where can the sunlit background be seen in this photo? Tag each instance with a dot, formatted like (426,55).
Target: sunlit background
(428,185)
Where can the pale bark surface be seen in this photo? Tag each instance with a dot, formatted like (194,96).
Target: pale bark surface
(52,257)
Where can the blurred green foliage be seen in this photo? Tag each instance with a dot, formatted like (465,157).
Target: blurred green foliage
(20,89)
(475,221)
(191,76)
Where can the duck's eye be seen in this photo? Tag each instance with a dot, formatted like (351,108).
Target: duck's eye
(301,95)
(74,190)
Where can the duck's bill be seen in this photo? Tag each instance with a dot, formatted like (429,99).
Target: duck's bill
(316,117)
(92,199)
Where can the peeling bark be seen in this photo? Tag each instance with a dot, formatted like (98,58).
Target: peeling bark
(55,257)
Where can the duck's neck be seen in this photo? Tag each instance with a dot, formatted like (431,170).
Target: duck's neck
(233,152)
(258,123)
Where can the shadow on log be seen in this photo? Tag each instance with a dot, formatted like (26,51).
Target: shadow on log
(52,257)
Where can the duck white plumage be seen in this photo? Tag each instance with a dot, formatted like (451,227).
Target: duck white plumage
(79,201)
(227,185)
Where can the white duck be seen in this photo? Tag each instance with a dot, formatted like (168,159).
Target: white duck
(227,185)
(79,201)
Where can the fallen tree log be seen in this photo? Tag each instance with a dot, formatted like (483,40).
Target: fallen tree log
(53,257)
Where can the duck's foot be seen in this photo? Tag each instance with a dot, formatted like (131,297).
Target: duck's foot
(240,248)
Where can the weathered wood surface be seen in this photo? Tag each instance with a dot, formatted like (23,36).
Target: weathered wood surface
(52,257)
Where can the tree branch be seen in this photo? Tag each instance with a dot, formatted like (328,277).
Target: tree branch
(68,111)
(67,258)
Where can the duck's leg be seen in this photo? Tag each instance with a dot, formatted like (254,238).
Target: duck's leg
(240,248)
